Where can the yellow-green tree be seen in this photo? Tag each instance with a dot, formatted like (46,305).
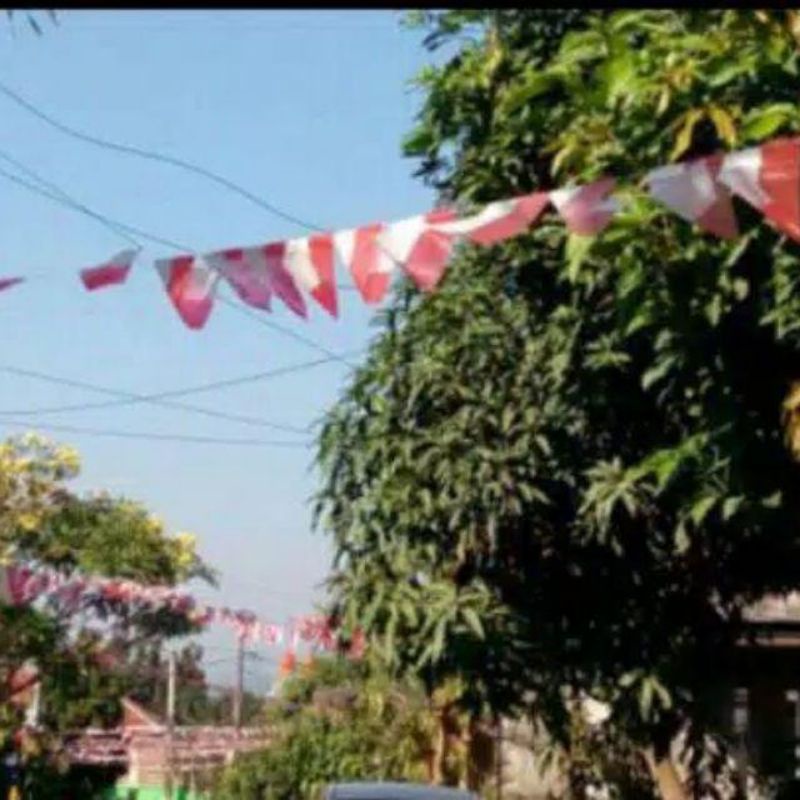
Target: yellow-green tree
(43,523)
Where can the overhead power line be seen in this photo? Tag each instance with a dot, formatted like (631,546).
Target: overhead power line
(130,398)
(58,195)
(154,156)
(160,437)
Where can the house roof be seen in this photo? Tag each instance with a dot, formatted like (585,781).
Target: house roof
(135,716)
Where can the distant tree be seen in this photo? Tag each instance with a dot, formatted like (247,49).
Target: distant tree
(336,721)
(45,524)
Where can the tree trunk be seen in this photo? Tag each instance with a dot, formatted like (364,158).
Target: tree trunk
(438,755)
(665,777)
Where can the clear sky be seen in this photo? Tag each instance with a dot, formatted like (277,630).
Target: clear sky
(304,108)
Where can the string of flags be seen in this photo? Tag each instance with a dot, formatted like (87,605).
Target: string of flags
(700,191)
(20,585)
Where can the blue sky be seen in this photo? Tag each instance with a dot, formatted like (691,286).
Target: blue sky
(305,109)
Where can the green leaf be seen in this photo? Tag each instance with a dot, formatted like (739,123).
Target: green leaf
(474,622)
(723,122)
(619,75)
(730,506)
(700,509)
(646,698)
(773,501)
(629,678)
(578,47)
(682,541)
(763,122)
(520,93)
(684,138)
(577,250)
(658,371)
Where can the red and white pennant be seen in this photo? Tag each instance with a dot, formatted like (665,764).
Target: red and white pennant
(700,191)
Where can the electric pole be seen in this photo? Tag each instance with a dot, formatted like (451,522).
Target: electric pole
(171,679)
(239,690)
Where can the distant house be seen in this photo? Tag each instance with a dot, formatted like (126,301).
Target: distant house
(188,759)
(759,710)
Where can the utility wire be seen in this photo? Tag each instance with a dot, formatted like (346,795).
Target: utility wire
(285,331)
(121,228)
(154,156)
(129,398)
(164,437)
(59,196)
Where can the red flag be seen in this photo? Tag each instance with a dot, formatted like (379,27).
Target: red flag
(278,277)
(16,585)
(419,246)
(248,279)
(768,177)
(310,263)
(112,272)
(369,265)
(692,191)
(586,209)
(288,663)
(500,220)
(190,285)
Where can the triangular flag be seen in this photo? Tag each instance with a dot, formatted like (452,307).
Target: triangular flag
(272,256)
(310,262)
(422,250)
(14,583)
(7,283)
(500,220)
(586,209)
(768,177)
(247,279)
(190,285)
(691,190)
(111,273)
(369,265)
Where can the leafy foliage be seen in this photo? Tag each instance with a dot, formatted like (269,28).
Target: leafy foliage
(369,728)
(43,523)
(567,468)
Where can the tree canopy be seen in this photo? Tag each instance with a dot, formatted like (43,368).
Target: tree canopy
(571,468)
(45,524)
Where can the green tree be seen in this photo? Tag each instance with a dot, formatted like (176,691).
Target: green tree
(336,721)
(45,524)
(566,472)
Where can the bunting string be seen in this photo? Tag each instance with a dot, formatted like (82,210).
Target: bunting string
(21,585)
(700,191)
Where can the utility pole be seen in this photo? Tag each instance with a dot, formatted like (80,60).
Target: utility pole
(171,679)
(239,690)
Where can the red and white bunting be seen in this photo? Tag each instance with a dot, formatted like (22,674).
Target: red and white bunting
(190,284)
(14,583)
(499,220)
(768,177)
(693,192)
(419,246)
(246,278)
(310,262)
(587,209)
(272,256)
(111,273)
(370,266)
